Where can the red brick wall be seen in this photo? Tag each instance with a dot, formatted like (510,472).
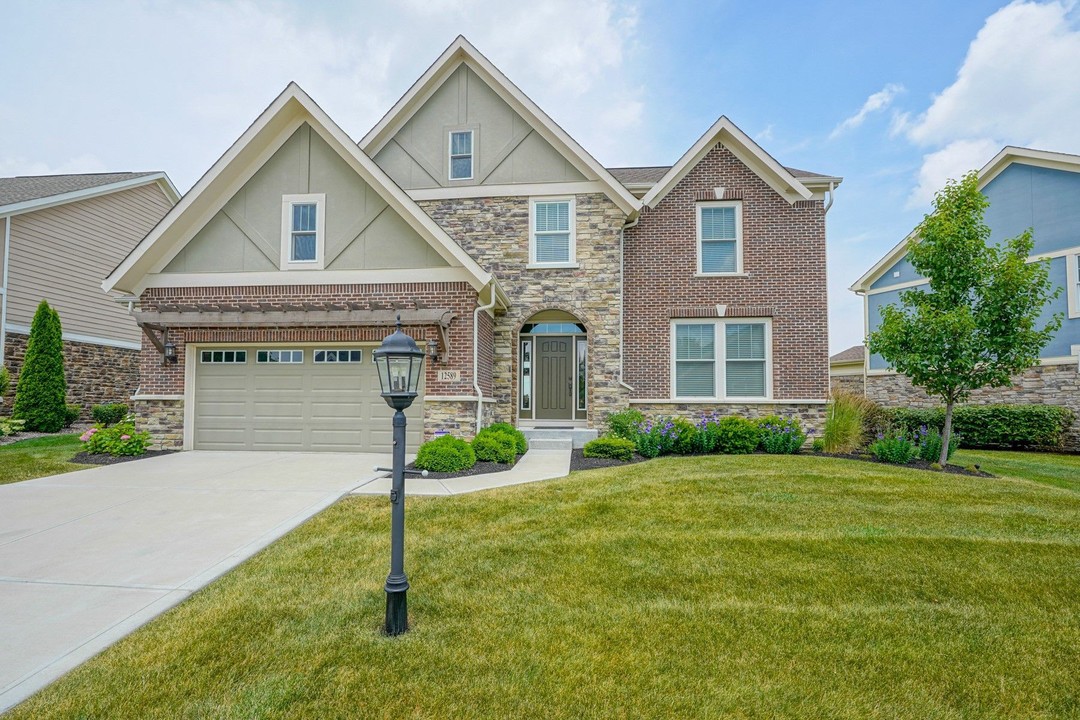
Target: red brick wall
(158,378)
(783,253)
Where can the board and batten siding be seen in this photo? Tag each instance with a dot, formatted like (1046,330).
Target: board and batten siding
(61,254)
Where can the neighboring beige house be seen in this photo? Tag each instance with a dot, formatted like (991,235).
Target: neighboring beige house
(62,234)
(847,371)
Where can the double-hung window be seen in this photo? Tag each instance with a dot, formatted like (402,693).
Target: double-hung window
(302,225)
(719,237)
(461,154)
(552,233)
(720,359)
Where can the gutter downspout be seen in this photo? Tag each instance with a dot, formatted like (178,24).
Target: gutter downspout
(832,194)
(622,298)
(476,353)
(4,289)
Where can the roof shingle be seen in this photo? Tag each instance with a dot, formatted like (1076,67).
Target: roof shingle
(651,174)
(34,187)
(856,353)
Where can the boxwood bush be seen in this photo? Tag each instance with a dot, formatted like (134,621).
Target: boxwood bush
(445,454)
(994,426)
(109,414)
(521,444)
(495,447)
(614,448)
(736,436)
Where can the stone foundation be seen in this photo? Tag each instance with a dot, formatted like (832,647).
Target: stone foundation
(1040,385)
(850,383)
(96,374)
(456,417)
(163,418)
(812,415)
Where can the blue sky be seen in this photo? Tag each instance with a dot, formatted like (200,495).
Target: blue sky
(894,97)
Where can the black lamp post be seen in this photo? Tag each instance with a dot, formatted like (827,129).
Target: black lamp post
(400,363)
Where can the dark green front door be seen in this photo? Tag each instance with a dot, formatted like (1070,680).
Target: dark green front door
(554,378)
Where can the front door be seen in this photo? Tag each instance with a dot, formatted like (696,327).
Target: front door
(554,378)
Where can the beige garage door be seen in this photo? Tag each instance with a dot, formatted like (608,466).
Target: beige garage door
(293,397)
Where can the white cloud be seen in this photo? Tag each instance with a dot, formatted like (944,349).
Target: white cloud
(877,102)
(1017,86)
(81,164)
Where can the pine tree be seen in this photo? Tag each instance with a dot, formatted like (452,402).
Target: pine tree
(42,389)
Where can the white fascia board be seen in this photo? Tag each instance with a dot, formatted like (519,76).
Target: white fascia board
(74,196)
(870,276)
(462,51)
(269,131)
(748,151)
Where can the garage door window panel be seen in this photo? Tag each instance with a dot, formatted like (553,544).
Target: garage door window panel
(341,355)
(223,356)
(291,357)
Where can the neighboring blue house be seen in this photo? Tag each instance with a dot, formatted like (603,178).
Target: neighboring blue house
(1026,189)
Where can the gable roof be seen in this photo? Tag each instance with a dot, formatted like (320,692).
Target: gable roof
(649,175)
(854,354)
(270,130)
(749,152)
(1009,154)
(461,51)
(25,193)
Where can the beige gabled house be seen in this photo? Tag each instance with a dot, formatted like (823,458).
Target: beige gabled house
(61,235)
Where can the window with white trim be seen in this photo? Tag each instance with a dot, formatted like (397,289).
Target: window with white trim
(227,357)
(719,237)
(341,355)
(461,154)
(293,357)
(721,359)
(302,224)
(552,232)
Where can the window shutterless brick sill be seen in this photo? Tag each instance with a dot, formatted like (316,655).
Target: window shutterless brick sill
(722,275)
(560,266)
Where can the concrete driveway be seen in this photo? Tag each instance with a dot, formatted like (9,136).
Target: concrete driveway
(87,557)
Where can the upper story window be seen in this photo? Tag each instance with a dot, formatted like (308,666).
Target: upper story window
(719,238)
(720,359)
(461,154)
(1072,272)
(552,233)
(302,225)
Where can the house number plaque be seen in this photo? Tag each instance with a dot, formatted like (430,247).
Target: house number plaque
(449,375)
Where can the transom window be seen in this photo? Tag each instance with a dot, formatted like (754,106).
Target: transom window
(719,226)
(461,155)
(279,356)
(344,355)
(552,232)
(720,359)
(302,224)
(223,356)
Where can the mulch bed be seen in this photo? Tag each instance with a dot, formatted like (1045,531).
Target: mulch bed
(480,468)
(85,458)
(917,463)
(578,461)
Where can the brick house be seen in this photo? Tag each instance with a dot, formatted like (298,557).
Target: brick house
(61,235)
(548,290)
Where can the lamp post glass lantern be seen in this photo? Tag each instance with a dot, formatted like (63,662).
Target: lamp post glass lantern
(400,363)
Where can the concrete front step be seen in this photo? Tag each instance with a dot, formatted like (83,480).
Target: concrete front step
(559,437)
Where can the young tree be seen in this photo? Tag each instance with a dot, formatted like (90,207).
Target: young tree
(978,323)
(42,389)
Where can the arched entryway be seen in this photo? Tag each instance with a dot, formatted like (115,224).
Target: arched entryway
(553,370)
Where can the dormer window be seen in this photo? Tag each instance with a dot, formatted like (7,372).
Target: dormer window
(302,225)
(461,154)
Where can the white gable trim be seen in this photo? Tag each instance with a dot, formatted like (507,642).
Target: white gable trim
(75,195)
(258,143)
(460,52)
(744,148)
(1009,154)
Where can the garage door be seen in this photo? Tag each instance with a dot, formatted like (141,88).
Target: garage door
(271,397)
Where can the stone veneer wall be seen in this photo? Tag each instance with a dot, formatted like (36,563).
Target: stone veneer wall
(851,383)
(495,231)
(812,415)
(163,419)
(96,374)
(1040,385)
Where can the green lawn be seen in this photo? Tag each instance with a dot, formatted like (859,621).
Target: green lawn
(38,457)
(745,587)
(1060,470)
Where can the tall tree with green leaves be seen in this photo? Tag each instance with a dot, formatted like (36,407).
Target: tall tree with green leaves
(41,391)
(978,323)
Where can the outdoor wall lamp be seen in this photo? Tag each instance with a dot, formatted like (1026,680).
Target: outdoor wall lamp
(170,352)
(400,363)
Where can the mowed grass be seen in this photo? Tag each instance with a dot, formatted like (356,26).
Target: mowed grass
(38,457)
(744,587)
(1054,469)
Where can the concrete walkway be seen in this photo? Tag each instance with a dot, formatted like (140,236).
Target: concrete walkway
(535,465)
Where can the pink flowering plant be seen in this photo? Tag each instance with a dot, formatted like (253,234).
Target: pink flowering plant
(119,439)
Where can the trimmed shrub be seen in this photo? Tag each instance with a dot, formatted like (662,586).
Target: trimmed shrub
(780,435)
(737,436)
(615,448)
(894,447)
(445,454)
(994,426)
(844,422)
(521,443)
(625,424)
(120,439)
(109,414)
(40,393)
(71,414)
(495,447)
